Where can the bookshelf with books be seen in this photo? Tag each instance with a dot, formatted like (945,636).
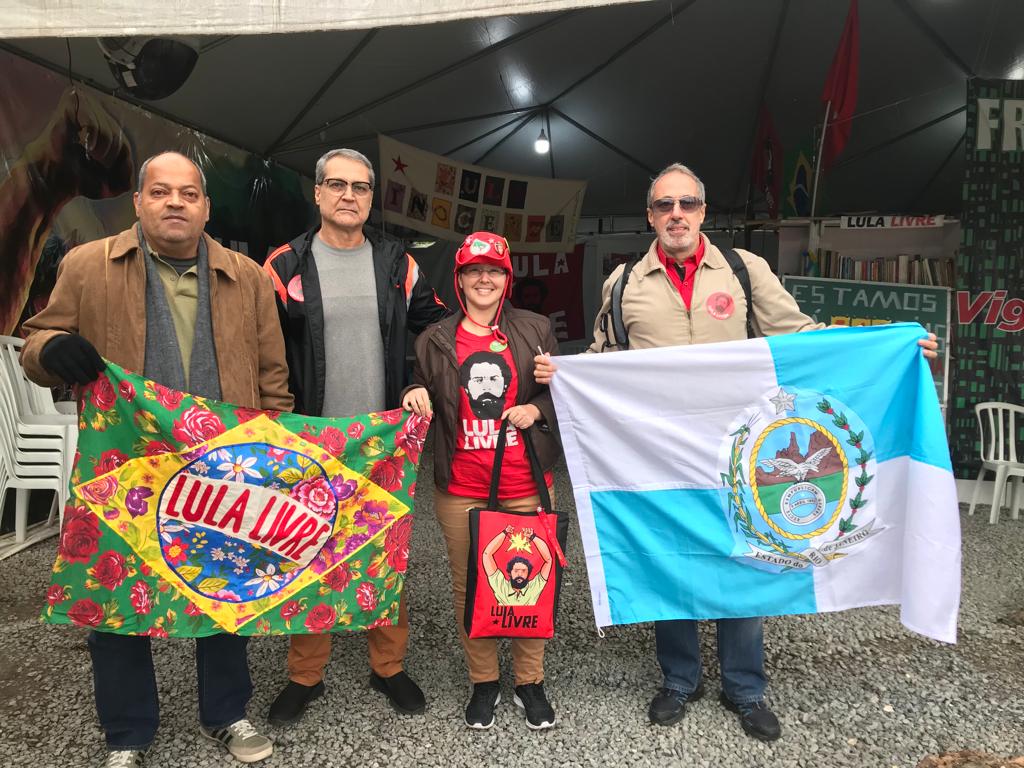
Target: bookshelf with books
(912,256)
(900,268)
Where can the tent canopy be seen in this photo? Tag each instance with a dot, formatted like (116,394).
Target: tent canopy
(622,90)
(81,18)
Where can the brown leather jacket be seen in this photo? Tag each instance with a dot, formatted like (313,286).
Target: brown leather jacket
(101,295)
(437,369)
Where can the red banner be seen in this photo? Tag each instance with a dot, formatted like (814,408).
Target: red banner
(551,284)
(841,88)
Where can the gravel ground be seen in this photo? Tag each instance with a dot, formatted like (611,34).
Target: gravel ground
(851,689)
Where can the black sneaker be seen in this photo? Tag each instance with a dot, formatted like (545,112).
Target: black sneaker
(403,693)
(756,718)
(531,699)
(669,706)
(480,710)
(292,701)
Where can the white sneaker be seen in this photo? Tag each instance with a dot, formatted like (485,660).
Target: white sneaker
(243,741)
(124,758)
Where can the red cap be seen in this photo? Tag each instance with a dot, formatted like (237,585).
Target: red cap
(485,248)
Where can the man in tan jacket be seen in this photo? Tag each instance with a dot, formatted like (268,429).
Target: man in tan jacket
(166,300)
(685,291)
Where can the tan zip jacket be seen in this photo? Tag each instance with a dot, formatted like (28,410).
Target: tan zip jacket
(655,315)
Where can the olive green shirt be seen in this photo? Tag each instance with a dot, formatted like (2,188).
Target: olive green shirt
(182,292)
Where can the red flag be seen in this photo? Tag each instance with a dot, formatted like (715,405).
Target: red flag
(766,166)
(841,88)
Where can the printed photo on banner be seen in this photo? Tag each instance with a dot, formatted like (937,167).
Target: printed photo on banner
(516,194)
(550,284)
(470,186)
(494,190)
(465,217)
(417,206)
(394,196)
(513,229)
(445,183)
(255,206)
(441,213)
(534,228)
(489,220)
(555,229)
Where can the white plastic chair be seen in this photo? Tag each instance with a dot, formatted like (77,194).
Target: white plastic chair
(37,446)
(22,477)
(38,419)
(1000,425)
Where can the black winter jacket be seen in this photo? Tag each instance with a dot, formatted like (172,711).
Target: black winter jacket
(405,301)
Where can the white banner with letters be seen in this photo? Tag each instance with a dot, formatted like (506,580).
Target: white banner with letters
(445,198)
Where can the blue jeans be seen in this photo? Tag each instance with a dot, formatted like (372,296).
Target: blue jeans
(126,697)
(740,653)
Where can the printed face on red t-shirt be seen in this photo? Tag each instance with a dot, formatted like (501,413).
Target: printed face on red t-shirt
(485,378)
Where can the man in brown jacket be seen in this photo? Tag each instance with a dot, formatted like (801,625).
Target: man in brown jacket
(166,300)
(684,291)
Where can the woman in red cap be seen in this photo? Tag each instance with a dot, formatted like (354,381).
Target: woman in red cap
(473,370)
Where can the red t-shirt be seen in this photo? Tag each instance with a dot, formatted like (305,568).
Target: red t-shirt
(490,379)
(689,267)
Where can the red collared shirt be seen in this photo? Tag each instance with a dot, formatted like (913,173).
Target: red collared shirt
(689,268)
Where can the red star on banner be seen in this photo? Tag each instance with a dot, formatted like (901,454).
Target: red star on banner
(399,165)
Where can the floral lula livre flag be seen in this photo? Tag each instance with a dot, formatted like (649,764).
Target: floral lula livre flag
(189,517)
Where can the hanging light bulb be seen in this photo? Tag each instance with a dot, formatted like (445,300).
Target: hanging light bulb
(542,145)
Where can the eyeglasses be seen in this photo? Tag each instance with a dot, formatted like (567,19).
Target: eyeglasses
(476,272)
(687,203)
(338,187)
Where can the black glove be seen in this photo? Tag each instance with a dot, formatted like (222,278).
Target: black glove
(72,358)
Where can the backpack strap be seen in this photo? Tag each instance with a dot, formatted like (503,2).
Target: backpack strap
(615,312)
(739,268)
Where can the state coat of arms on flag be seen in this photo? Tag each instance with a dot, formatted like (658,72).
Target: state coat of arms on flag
(797,469)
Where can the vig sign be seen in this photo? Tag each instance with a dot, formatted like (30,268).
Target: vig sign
(1005,315)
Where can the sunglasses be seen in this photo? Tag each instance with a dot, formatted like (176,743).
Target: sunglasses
(688,204)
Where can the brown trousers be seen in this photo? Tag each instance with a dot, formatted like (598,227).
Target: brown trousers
(308,654)
(482,653)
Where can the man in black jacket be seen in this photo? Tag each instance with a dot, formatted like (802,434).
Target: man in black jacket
(353,291)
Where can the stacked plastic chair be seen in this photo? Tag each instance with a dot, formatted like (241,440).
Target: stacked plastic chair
(37,449)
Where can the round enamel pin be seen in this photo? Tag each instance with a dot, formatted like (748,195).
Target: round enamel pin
(295,289)
(498,346)
(720,305)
